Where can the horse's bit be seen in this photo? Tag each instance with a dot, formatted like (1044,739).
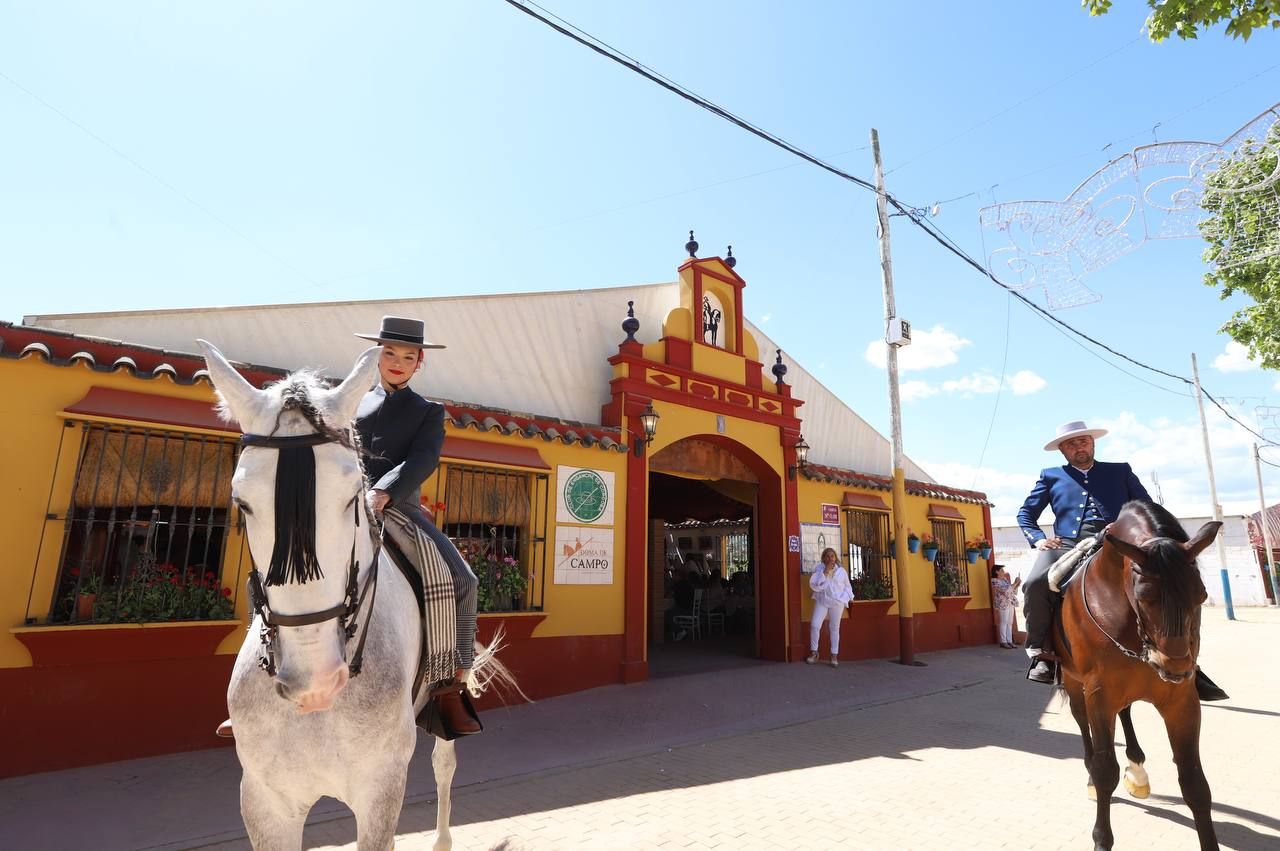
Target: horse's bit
(346,611)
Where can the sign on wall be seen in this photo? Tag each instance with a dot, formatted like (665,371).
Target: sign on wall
(584,495)
(814,538)
(830,514)
(584,556)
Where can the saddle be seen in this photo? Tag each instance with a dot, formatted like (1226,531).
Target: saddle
(1064,569)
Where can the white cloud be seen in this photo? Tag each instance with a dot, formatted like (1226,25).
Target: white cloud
(1235,358)
(970,384)
(1021,383)
(1024,382)
(764,320)
(930,348)
(910,391)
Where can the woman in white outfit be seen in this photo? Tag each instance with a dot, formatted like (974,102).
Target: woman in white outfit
(831,595)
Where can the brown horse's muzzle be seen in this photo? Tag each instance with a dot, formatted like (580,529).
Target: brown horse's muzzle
(1174,659)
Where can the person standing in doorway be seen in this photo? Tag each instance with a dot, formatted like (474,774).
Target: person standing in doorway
(832,594)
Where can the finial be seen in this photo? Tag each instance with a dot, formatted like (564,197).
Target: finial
(779,369)
(631,325)
(730,260)
(691,246)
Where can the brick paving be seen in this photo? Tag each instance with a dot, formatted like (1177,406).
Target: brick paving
(990,762)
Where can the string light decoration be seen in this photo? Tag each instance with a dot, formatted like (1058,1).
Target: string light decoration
(1154,192)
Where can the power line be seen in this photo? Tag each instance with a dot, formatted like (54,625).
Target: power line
(598,46)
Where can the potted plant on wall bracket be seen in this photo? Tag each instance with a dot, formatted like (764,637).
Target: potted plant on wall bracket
(86,596)
(972,549)
(928,547)
(985,546)
(913,542)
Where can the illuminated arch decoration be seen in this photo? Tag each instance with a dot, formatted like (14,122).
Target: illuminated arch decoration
(1154,192)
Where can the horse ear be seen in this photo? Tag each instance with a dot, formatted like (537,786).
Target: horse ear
(238,396)
(1203,538)
(345,398)
(1130,551)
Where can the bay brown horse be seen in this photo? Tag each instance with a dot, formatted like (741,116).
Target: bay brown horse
(1129,630)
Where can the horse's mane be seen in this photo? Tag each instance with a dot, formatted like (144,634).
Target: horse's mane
(293,558)
(1167,560)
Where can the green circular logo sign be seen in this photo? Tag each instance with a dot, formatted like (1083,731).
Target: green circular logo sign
(586,496)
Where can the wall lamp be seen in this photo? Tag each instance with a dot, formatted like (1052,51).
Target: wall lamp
(802,458)
(649,421)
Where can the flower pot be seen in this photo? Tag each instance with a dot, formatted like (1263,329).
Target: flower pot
(972,555)
(930,553)
(84,606)
(913,545)
(986,553)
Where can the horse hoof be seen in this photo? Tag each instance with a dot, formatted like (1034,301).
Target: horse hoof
(1135,790)
(1093,793)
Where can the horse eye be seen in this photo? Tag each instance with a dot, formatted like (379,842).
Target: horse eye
(242,506)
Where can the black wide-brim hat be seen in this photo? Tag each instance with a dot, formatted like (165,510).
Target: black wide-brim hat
(399,331)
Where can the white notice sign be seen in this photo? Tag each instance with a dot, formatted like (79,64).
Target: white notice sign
(584,556)
(814,538)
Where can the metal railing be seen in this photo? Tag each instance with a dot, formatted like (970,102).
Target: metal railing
(497,518)
(870,568)
(146,528)
(951,567)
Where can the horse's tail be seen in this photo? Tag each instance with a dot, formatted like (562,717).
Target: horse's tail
(487,671)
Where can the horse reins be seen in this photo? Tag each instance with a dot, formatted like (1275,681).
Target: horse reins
(1140,656)
(344,612)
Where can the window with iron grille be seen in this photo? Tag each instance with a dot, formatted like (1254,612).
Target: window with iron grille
(498,520)
(146,529)
(870,570)
(951,567)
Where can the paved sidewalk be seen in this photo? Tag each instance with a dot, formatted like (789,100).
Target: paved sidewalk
(961,754)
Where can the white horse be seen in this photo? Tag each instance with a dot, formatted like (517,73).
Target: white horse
(305,724)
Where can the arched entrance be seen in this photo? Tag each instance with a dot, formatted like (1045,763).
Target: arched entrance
(715,529)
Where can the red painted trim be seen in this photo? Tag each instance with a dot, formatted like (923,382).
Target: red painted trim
(783,398)
(950,604)
(54,646)
(462,449)
(150,408)
(863,501)
(524,421)
(688,400)
(944,512)
(63,345)
(796,639)
(515,628)
(870,608)
(733,278)
(634,662)
(755,375)
(679,352)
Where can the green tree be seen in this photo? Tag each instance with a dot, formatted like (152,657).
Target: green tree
(1184,18)
(1243,231)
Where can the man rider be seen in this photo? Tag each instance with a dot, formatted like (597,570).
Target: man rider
(1085,495)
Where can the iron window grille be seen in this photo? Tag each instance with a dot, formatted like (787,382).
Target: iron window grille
(498,520)
(145,532)
(951,567)
(870,570)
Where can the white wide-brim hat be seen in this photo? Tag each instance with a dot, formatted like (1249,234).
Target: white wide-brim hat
(1066,431)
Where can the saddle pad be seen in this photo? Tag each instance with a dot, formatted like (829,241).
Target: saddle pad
(436,601)
(1064,568)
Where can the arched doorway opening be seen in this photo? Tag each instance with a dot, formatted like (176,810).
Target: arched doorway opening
(715,537)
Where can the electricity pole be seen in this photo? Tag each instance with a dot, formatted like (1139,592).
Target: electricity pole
(906,623)
(1213,493)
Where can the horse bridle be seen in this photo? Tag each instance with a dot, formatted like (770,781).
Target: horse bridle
(344,612)
(1143,654)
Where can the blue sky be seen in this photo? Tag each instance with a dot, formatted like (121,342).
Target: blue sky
(171,155)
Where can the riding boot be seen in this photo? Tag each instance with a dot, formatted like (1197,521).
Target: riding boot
(1041,671)
(1207,689)
(224,730)
(455,714)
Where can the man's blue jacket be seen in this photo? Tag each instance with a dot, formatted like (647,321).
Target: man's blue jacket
(1067,489)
